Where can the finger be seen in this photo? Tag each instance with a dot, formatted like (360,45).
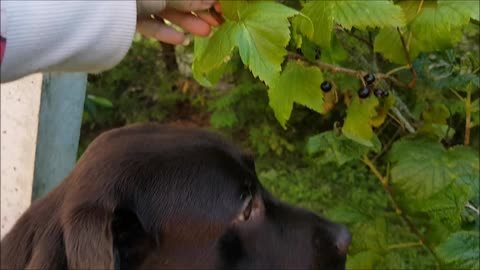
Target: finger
(218,7)
(160,31)
(208,18)
(190,5)
(187,21)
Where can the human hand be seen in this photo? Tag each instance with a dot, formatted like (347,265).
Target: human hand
(194,16)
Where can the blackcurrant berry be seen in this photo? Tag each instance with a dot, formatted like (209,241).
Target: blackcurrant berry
(317,53)
(369,78)
(326,86)
(363,92)
(378,92)
(385,93)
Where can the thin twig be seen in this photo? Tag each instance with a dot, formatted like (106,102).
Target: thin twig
(398,69)
(413,82)
(398,210)
(404,121)
(351,72)
(471,207)
(404,245)
(468,116)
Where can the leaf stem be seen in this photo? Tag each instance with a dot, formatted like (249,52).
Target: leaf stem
(413,82)
(397,69)
(468,116)
(351,72)
(398,210)
(404,245)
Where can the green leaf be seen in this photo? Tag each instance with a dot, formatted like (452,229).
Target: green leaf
(363,14)
(359,14)
(208,67)
(437,26)
(321,15)
(357,125)
(223,118)
(461,250)
(299,84)
(249,27)
(420,168)
(446,205)
(466,163)
(330,147)
(100,101)
(363,260)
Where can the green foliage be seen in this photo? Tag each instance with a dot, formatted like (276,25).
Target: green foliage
(259,77)
(461,250)
(431,26)
(330,147)
(350,14)
(298,84)
(357,125)
(248,27)
(422,168)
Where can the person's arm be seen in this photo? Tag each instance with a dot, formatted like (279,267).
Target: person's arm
(85,36)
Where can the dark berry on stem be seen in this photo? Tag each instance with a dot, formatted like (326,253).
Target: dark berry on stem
(378,92)
(317,53)
(369,78)
(326,86)
(385,93)
(363,92)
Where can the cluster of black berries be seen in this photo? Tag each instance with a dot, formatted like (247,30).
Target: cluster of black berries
(365,91)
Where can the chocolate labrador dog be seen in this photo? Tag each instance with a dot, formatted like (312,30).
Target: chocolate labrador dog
(166,197)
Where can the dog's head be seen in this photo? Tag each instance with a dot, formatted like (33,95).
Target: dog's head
(163,197)
(199,200)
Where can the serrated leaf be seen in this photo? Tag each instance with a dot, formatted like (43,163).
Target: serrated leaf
(331,147)
(388,43)
(249,27)
(437,26)
(467,166)
(321,15)
(359,14)
(299,84)
(420,168)
(208,67)
(461,250)
(357,125)
(363,14)
(446,205)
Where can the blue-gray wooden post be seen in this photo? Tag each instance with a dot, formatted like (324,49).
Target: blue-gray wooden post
(60,119)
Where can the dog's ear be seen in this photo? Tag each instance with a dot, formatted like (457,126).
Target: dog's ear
(88,238)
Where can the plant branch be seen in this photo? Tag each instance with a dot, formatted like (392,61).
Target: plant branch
(413,82)
(404,245)
(468,116)
(351,72)
(471,207)
(397,69)
(403,120)
(398,210)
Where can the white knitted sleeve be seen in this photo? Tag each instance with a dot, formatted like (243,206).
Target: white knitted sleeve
(71,36)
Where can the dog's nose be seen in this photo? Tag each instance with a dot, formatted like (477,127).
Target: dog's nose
(342,240)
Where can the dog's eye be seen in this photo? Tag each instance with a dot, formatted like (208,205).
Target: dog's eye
(247,210)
